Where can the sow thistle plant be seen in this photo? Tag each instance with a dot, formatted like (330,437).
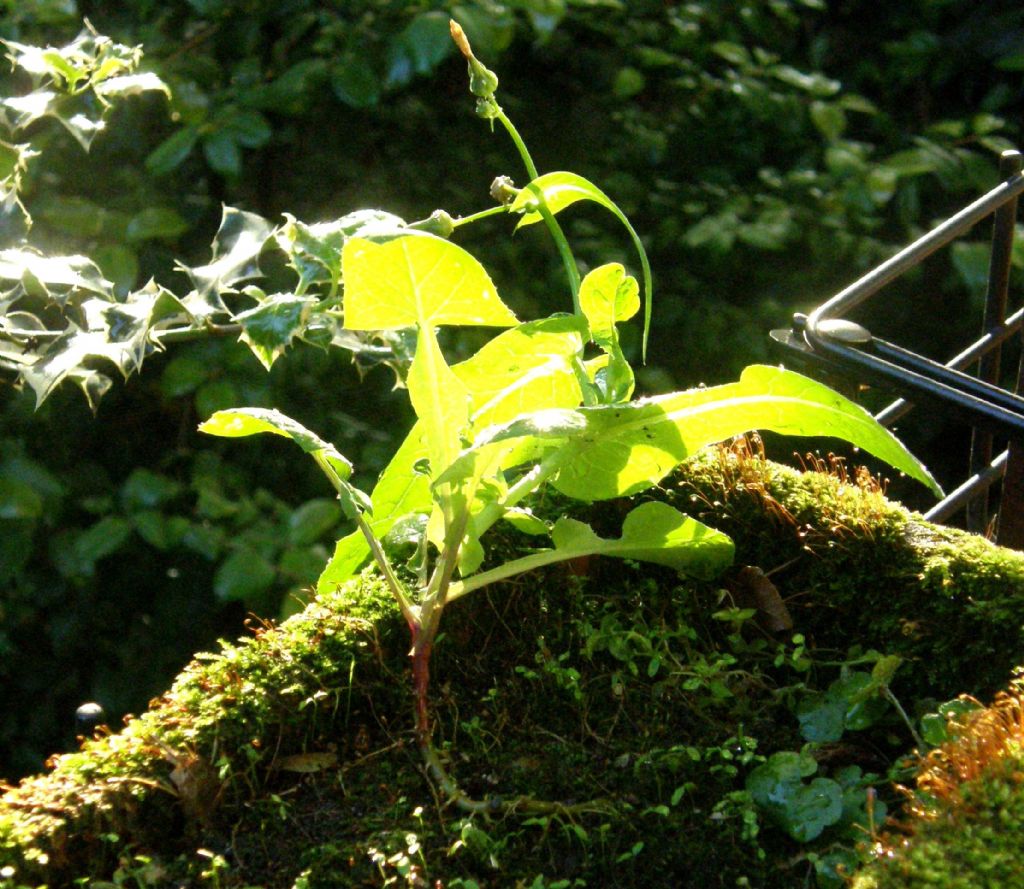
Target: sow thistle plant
(546,402)
(531,408)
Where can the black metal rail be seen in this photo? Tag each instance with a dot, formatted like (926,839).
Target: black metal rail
(841,346)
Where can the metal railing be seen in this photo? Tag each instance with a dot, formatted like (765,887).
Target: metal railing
(850,350)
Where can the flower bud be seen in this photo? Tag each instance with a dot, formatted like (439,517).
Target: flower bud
(482,81)
(439,223)
(503,190)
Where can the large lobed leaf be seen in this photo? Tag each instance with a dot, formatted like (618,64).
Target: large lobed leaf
(616,450)
(652,532)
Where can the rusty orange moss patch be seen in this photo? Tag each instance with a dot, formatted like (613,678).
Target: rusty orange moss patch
(965,824)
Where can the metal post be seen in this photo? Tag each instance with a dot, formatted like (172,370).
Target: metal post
(1005,217)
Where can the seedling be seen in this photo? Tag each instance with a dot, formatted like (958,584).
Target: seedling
(545,402)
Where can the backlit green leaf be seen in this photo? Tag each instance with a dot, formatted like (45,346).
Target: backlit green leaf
(400,491)
(416,278)
(608,296)
(627,448)
(652,532)
(523,369)
(241,422)
(314,251)
(561,190)
(441,403)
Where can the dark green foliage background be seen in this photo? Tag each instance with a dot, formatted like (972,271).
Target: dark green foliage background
(768,151)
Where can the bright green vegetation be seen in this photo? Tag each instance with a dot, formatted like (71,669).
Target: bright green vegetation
(527,410)
(665,703)
(680,696)
(766,151)
(974,845)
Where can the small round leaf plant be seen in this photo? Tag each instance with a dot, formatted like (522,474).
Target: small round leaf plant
(545,402)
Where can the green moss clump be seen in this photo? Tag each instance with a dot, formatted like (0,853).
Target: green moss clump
(203,744)
(859,569)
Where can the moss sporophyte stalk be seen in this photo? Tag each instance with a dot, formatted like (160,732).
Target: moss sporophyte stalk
(545,403)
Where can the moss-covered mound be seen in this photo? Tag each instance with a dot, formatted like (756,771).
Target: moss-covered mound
(721,734)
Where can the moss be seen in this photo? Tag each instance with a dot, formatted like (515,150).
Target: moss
(858,569)
(287,759)
(966,825)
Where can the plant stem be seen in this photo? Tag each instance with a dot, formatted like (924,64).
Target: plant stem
(524,152)
(527,483)
(903,714)
(568,260)
(409,611)
(475,217)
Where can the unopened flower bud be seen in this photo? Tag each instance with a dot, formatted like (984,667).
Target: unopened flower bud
(439,223)
(503,190)
(482,81)
(487,109)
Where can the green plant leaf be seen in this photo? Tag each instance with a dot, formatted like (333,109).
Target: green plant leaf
(802,810)
(18,500)
(420,48)
(354,81)
(102,539)
(245,575)
(314,251)
(400,491)
(131,85)
(311,521)
(811,808)
(822,718)
(245,421)
(441,403)
(236,249)
(223,153)
(627,448)
(171,153)
(516,370)
(146,489)
(652,532)
(156,223)
(52,276)
(522,369)
(561,190)
(607,297)
(269,328)
(417,279)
